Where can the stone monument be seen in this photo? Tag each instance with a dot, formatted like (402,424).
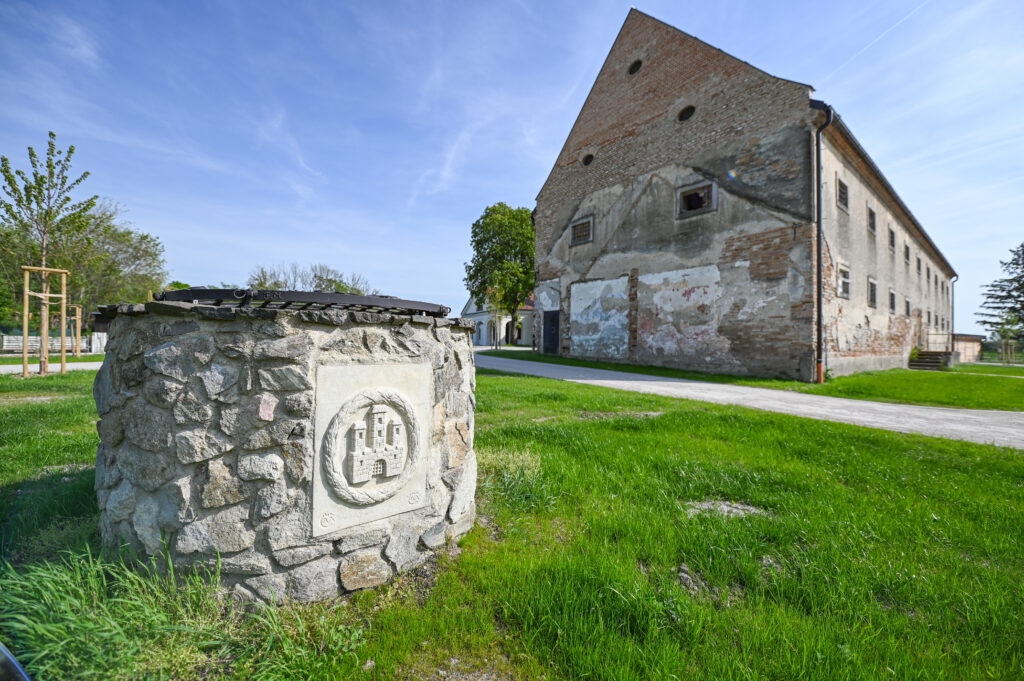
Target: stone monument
(308,453)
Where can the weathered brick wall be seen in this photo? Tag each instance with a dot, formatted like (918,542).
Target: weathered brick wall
(750,133)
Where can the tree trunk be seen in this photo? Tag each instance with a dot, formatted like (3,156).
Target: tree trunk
(44,329)
(44,311)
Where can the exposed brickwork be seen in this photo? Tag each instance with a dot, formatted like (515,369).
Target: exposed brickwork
(745,121)
(728,287)
(767,252)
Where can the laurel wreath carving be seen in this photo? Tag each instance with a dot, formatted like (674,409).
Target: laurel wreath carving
(334,456)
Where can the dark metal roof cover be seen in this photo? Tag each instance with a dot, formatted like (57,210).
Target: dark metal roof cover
(301,300)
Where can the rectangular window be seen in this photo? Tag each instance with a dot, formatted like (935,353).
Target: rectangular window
(892,240)
(842,195)
(581,231)
(892,302)
(906,306)
(872,293)
(936,283)
(696,199)
(872,226)
(906,254)
(844,283)
(919,266)
(929,318)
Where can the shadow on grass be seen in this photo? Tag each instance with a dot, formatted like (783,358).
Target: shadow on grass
(48,514)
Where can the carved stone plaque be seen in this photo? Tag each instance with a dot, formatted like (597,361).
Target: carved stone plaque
(371,443)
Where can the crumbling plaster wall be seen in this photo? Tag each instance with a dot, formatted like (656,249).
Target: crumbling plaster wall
(861,337)
(727,291)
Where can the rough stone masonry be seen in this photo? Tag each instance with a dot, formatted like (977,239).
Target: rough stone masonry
(312,453)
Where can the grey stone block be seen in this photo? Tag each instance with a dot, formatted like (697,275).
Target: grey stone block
(270,500)
(284,379)
(371,536)
(363,570)
(303,554)
(314,581)
(199,444)
(223,532)
(266,466)
(462,496)
(121,502)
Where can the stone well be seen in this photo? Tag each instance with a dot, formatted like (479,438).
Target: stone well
(312,452)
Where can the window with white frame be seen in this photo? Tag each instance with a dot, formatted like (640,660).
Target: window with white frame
(843,283)
(872,220)
(906,306)
(906,254)
(872,293)
(892,240)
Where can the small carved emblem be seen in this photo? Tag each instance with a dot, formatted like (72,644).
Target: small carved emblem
(384,455)
(370,447)
(326,519)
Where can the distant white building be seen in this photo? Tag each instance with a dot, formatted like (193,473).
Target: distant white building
(484,333)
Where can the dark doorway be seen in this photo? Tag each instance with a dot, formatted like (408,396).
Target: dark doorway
(550,332)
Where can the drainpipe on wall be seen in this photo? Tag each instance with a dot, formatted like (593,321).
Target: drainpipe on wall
(820,347)
(952,313)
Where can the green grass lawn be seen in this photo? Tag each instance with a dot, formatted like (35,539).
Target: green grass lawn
(879,555)
(996,369)
(54,359)
(936,388)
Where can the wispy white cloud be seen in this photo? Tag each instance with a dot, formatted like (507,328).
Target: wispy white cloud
(75,40)
(273,130)
(874,40)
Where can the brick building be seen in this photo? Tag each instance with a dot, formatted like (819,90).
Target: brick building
(679,225)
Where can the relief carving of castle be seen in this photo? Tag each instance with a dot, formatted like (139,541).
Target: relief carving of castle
(383,455)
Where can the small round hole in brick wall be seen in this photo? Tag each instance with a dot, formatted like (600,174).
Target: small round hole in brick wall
(686,112)
(635,66)
(588,159)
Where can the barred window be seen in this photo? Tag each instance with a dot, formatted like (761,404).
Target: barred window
(581,231)
(906,254)
(872,226)
(842,195)
(892,240)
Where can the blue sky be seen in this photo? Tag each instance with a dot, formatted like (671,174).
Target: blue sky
(370,135)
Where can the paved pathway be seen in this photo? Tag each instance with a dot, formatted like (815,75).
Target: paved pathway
(33,369)
(1004,428)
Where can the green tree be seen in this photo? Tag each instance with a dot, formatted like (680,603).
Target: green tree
(119,264)
(316,277)
(40,220)
(1003,306)
(502,266)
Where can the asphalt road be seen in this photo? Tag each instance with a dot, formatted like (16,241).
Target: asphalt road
(1003,428)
